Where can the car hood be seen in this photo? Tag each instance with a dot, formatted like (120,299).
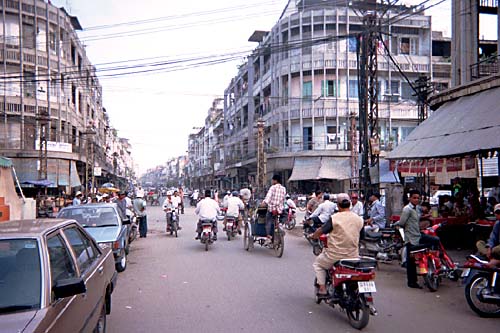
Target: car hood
(17,321)
(104,234)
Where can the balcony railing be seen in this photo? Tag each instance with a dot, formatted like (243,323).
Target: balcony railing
(485,67)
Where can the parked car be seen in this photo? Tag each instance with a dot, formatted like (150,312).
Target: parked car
(105,223)
(44,264)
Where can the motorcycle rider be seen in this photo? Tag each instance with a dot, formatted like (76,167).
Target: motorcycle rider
(410,221)
(343,229)
(168,207)
(491,249)
(314,202)
(274,200)
(234,205)
(176,199)
(207,209)
(324,212)
(290,204)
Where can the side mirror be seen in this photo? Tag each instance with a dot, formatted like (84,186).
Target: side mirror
(69,287)
(126,221)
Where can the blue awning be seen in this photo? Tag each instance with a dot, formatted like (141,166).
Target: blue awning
(60,172)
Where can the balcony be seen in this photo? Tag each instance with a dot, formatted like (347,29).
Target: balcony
(485,67)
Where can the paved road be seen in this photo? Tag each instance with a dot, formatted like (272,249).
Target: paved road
(173,285)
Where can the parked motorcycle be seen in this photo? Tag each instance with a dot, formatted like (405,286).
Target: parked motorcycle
(433,265)
(172,221)
(231,227)
(482,286)
(350,285)
(385,245)
(133,226)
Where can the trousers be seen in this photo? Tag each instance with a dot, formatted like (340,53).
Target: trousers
(143,225)
(321,265)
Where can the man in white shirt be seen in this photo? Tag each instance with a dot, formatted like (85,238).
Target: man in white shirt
(234,205)
(176,199)
(207,209)
(356,205)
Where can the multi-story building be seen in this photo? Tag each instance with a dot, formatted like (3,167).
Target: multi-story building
(206,151)
(47,77)
(302,80)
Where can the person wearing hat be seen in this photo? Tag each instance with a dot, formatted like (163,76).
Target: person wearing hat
(343,230)
(139,205)
(77,200)
(234,205)
(491,248)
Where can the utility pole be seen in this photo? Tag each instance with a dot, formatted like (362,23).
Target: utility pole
(424,88)
(43,122)
(369,146)
(354,151)
(261,160)
(90,157)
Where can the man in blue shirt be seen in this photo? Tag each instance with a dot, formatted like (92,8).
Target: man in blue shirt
(376,213)
(491,248)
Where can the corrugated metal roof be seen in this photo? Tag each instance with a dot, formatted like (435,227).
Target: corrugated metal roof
(305,168)
(5,162)
(464,126)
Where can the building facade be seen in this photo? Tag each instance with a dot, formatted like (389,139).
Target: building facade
(302,80)
(47,77)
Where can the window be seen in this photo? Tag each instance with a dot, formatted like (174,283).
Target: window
(61,264)
(287,138)
(353,88)
(328,88)
(404,45)
(353,43)
(331,135)
(307,138)
(85,251)
(407,92)
(394,91)
(73,95)
(307,89)
(29,84)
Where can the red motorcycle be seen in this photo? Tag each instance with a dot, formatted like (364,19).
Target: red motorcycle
(231,227)
(290,219)
(433,265)
(350,285)
(482,287)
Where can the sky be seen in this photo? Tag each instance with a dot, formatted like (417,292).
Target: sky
(158,110)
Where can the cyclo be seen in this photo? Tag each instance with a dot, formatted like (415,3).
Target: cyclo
(255,232)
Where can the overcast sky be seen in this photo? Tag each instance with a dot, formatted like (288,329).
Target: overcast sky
(157,111)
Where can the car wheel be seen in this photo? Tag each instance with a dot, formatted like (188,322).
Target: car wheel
(122,264)
(100,327)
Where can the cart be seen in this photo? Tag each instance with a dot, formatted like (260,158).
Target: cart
(255,232)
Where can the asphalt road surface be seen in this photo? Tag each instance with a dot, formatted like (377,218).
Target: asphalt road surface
(173,285)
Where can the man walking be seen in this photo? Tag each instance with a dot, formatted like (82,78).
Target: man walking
(140,210)
(77,200)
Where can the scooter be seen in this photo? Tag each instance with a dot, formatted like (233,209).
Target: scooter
(350,285)
(433,265)
(231,227)
(385,245)
(482,286)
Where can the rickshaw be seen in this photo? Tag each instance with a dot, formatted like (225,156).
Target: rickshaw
(255,232)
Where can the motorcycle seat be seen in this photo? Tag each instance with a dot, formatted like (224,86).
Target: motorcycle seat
(419,248)
(374,235)
(357,263)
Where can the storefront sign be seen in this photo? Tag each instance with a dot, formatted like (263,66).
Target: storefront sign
(62,147)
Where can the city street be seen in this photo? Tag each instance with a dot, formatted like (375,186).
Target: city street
(173,285)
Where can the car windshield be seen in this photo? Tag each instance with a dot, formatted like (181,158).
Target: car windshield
(20,275)
(91,216)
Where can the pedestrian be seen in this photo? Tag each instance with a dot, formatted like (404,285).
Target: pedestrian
(140,210)
(77,200)
(122,203)
(181,194)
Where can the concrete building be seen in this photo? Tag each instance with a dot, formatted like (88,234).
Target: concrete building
(302,80)
(206,164)
(47,75)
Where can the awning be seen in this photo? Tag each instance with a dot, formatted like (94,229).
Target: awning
(58,172)
(5,162)
(305,168)
(279,163)
(465,126)
(337,168)
(386,175)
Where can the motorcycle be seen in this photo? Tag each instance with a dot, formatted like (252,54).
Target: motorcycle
(133,226)
(193,202)
(172,221)
(302,203)
(482,287)
(433,265)
(290,222)
(385,245)
(350,285)
(309,228)
(207,234)
(231,227)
